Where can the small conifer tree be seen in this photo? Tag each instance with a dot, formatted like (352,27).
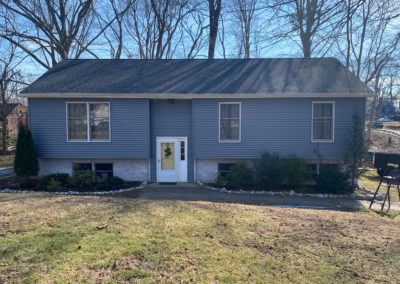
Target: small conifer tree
(358,147)
(25,162)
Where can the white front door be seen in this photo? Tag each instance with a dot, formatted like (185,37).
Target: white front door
(171,159)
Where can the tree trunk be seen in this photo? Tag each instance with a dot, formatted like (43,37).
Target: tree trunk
(4,136)
(215,11)
(373,108)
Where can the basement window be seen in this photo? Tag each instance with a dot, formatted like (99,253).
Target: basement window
(224,169)
(102,170)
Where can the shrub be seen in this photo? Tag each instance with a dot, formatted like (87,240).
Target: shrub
(28,185)
(110,184)
(82,179)
(333,180)
(25,162)
(114,182)
(297,172)
(240,175)
(219,181)
(269,170)
(60,177)
(54,185)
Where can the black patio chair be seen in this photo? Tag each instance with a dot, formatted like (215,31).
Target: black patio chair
(390,175)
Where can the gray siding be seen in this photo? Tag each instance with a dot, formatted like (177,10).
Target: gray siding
(171,120)
(275,125)
(130,135)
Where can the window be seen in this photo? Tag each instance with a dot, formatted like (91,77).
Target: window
(102,170)
(224,169)
(182,150)
(323,121)
(99,121)
(77,122)
(82,167)
(229,122)
(88,121)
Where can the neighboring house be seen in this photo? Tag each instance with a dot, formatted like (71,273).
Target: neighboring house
(13,115)
(183,120)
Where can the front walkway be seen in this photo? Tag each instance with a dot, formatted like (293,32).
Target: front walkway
(195,192)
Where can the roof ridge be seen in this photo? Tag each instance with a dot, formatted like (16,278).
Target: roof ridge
(200,59)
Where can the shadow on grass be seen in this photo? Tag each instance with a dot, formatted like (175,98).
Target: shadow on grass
(387,214)
(200,193)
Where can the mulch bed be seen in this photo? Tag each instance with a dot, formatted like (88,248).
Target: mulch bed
(304,189)
(34,184)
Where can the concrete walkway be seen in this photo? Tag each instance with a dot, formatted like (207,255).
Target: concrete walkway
(194,192)
(4,172)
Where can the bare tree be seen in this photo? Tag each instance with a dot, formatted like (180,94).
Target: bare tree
(372,40)
(50,30)
(11,79)
(214,7)
(47,30)
(112,15)
(222,37)
(156,26)
(313,24)
(244,11)
(195,38)
(372,36)
(11,82)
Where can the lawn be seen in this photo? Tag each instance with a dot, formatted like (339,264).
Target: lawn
(370,180)
(394,125)
(118,240)
(6,161)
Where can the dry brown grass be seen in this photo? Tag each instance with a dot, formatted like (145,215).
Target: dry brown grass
(394,125)
(6,161)
(384,142)
(118,240)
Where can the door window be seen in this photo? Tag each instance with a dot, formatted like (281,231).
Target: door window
(167,156)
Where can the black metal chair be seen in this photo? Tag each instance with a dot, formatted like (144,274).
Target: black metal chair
(391,176)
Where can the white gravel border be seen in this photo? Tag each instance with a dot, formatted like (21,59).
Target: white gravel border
(141,186)
(281,193)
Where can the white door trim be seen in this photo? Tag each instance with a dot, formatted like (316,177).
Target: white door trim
(179,174)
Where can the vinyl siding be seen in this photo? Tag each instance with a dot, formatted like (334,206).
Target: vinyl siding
(130,134)
(276,125)
(171,119)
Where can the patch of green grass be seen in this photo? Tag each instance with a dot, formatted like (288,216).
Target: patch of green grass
(118,240)
(370,180)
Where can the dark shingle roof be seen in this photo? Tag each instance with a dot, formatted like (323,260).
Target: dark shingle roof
(198,76)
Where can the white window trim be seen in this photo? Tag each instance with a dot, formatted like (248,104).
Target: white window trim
(240,122)
(333,122)
(88,121)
